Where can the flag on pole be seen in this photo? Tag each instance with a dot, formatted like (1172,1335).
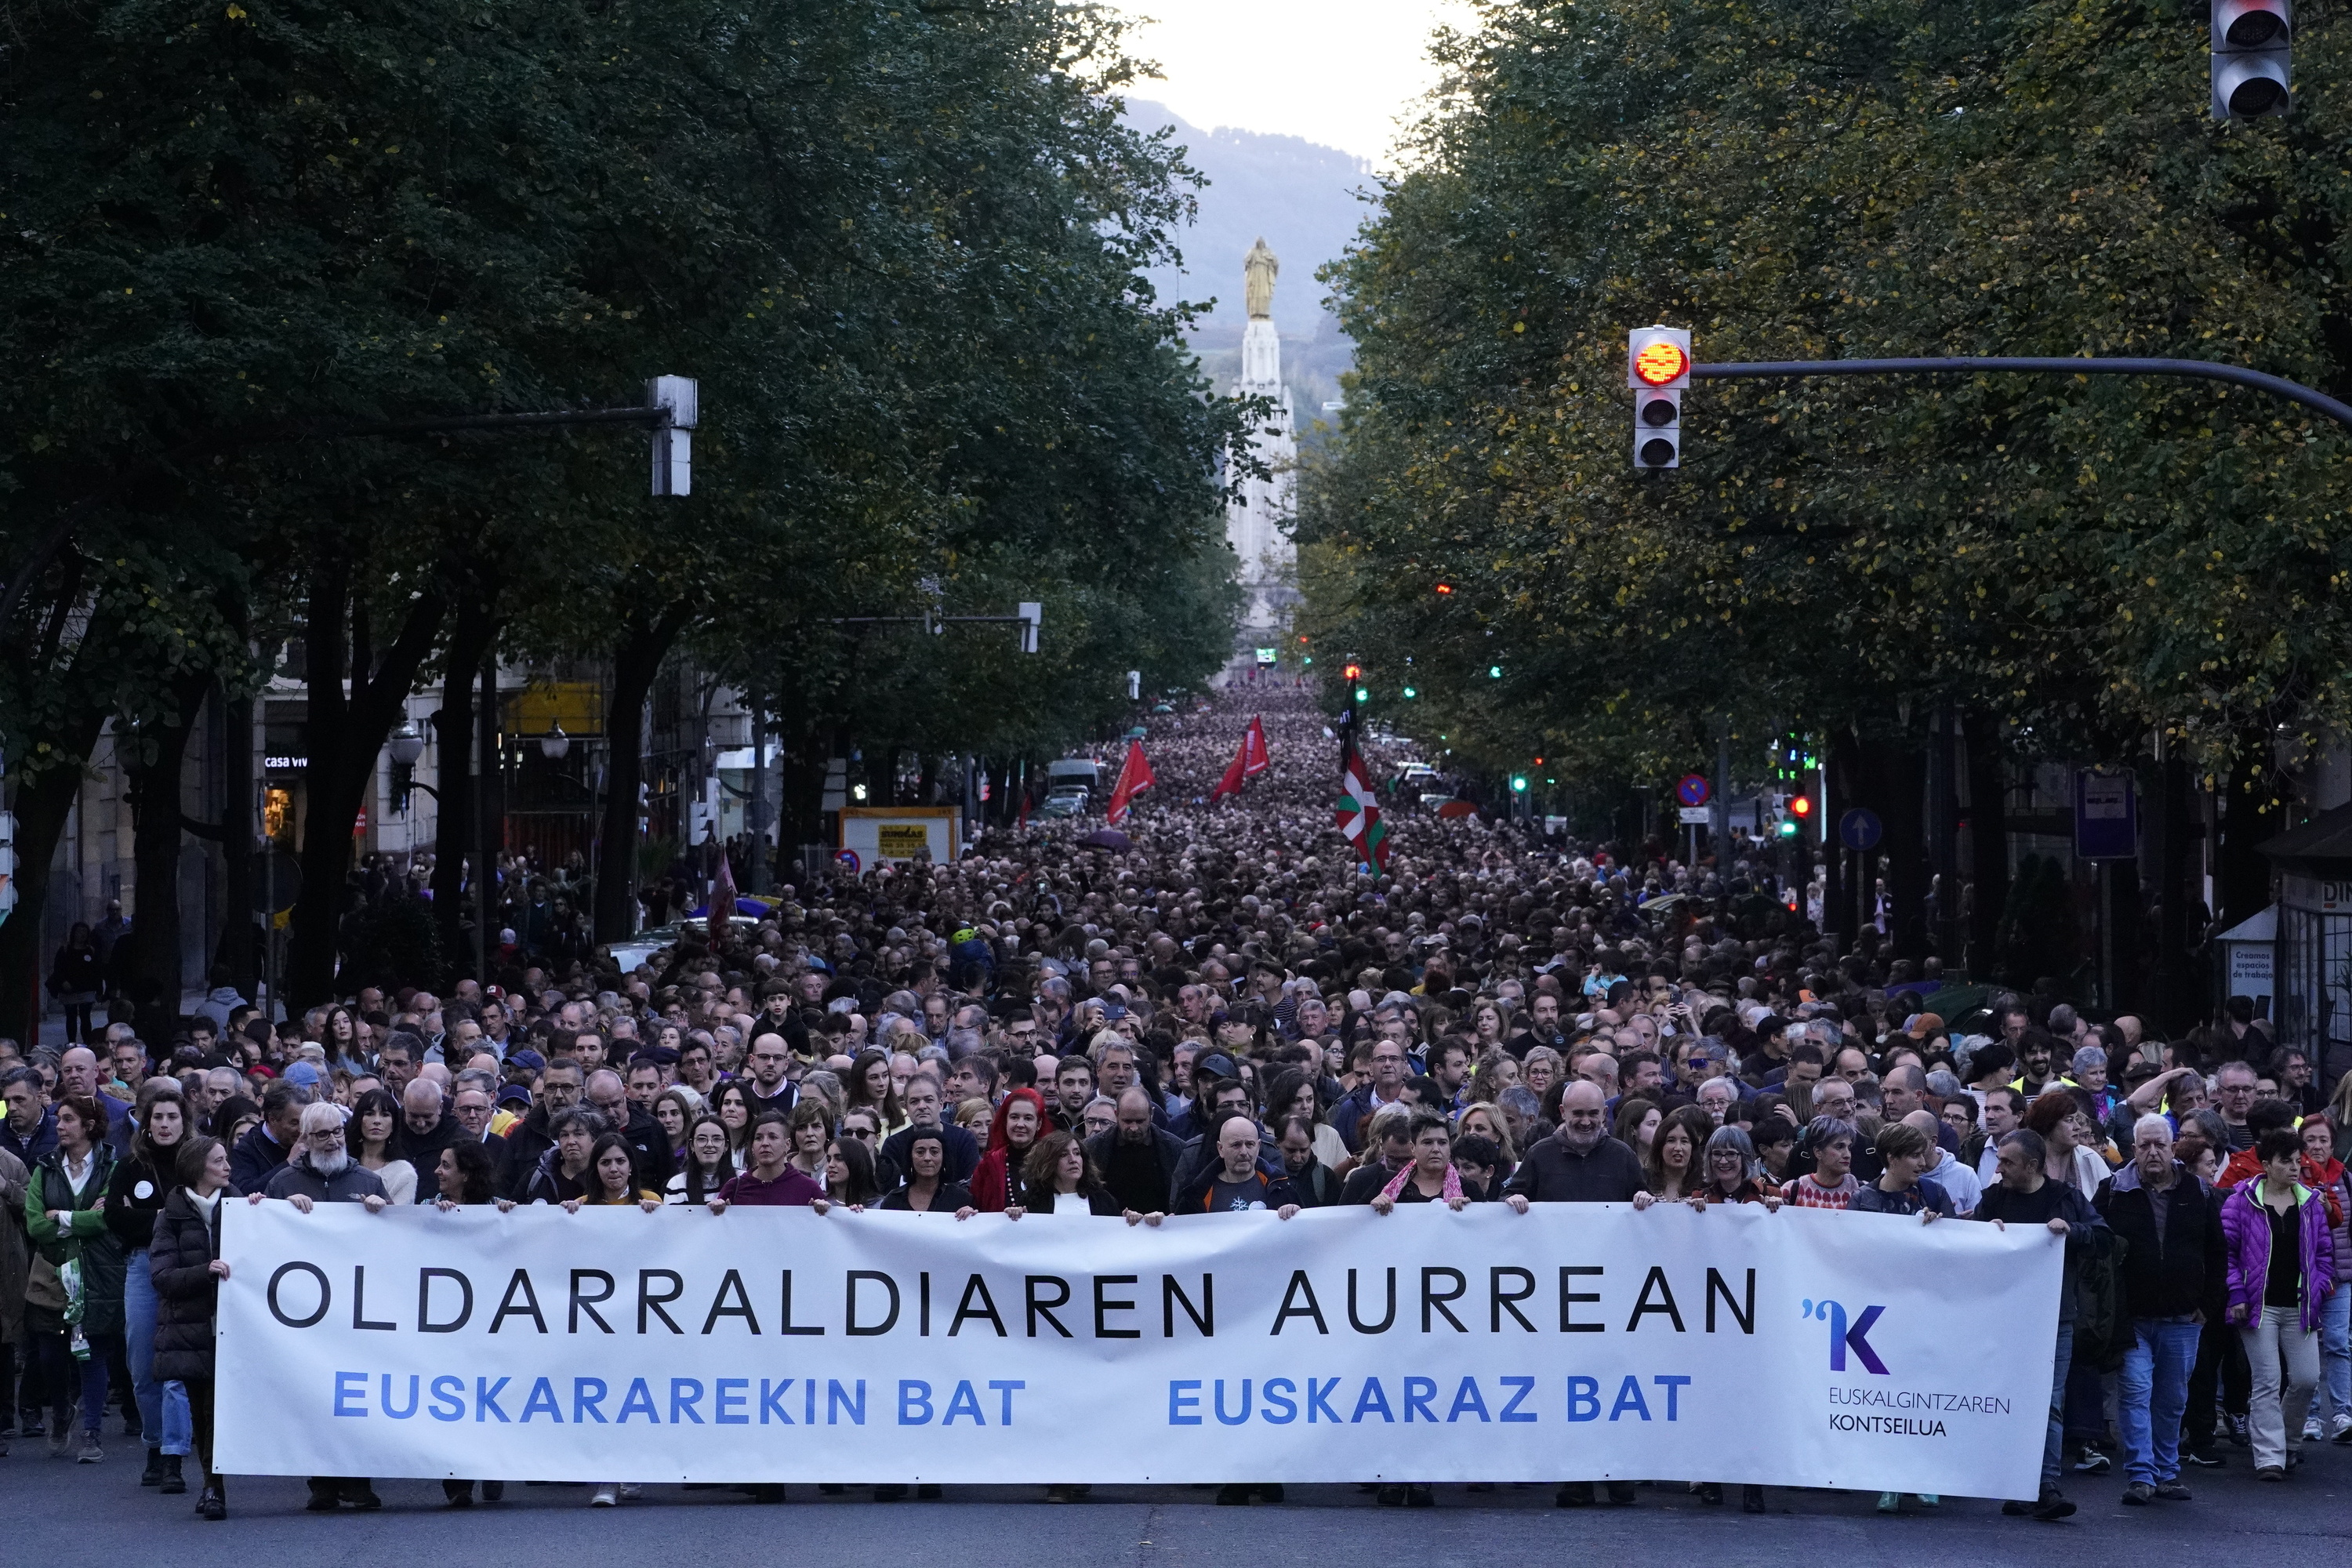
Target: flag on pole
(1134,778)
(1357,811)
(722,897)
(1249,761)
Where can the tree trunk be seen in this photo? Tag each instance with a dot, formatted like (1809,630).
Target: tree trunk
(43,806)
(1988,838)
(635,662)
(238,954)
(2249,816)
(157,980)
(1898,770)
(453,733)
(2173,991)
(346,732)
(44,802)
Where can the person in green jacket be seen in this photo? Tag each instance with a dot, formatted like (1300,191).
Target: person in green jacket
(73,1310)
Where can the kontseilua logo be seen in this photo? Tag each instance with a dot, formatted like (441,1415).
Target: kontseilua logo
(1848,1336)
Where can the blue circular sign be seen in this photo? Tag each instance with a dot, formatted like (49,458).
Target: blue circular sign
(1692,790)
(1861,830)
(849,861)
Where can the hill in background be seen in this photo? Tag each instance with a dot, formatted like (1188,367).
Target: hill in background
(1303,197)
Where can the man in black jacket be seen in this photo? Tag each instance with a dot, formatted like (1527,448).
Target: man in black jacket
(427,1129)
(560,1083)
(2025,1196)
(1580,1163)
(609,1097)
(2175,1266)
(1137,1159)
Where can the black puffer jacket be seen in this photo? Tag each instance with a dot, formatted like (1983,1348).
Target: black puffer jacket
(187,1239)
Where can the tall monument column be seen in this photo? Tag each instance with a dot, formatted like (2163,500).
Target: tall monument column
(1257,520)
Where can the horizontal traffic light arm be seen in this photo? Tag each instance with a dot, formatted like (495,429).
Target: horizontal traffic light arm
(2205,370)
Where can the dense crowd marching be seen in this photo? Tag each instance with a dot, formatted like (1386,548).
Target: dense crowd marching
(1229,1014)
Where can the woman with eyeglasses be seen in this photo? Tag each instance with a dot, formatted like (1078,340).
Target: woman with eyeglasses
(705,1163)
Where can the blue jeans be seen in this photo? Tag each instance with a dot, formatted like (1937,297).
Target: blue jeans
(2053,1448)
(2151,1393)
(2336,1347)
(139,1334)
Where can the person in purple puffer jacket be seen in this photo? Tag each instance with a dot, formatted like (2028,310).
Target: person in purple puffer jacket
(2282,1266)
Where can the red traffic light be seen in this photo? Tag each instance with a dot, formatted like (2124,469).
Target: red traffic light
(1354,671)
(1661,362)
(1800,806)
(1445,587)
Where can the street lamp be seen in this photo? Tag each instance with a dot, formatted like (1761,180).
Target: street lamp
(554,744)
(404,745)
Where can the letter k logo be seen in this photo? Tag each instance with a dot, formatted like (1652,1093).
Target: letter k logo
(1856,1338)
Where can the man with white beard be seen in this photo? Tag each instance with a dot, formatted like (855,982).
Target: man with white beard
(322,1171)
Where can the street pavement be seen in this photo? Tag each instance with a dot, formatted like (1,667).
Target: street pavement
(59,1511)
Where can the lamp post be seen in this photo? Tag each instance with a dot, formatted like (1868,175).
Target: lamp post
(403,747)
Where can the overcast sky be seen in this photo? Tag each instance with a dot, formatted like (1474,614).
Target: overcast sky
(1340,73)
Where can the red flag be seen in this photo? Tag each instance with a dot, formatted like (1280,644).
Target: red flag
(1134,778)
(1249,761)
(722,898)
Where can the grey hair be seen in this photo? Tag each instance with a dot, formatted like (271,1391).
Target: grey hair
(1733,1138)
(2152,1119)
(2089,1057)
(1829,1130)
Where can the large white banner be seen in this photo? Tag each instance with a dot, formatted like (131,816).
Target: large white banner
(1576,1342)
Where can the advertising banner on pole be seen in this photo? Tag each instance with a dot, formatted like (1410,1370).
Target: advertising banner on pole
(1576,1342)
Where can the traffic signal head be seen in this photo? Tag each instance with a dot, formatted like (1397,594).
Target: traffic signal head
(1410,693)
(1658,367)
(1494,672)
(1800,806)
(1657,429)
(1353,671)
(1444,588)
(1362,695)
(2252,74)
(1658,358)
(1518,784)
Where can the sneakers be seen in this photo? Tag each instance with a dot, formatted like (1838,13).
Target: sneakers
(1890,1502)
(2239,1435)
(91,1453)
(2312,1429)
(2172,1491)
(1929,1500)
(60,1433)
(2343,1428)
(606,1496)
(2090,1462)
(2139,1494)
(2053,1506)
(2203,1458)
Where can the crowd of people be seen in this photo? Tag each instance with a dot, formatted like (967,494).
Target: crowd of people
(1230,1015)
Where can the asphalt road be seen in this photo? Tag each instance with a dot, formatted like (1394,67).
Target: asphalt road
(59,1511)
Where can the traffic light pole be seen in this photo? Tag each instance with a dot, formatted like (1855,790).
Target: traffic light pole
(2197,369)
